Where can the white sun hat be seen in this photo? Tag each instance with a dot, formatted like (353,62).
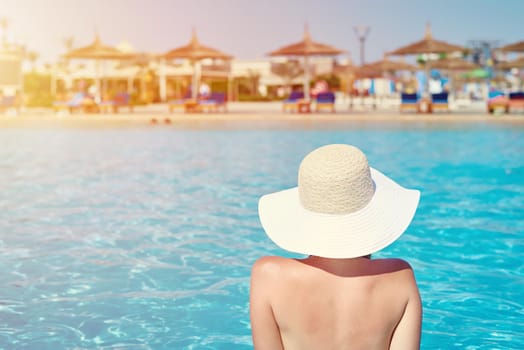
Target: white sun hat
(341,208)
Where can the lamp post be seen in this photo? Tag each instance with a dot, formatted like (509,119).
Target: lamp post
(362,33)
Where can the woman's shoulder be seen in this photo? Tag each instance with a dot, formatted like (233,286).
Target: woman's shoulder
(394,270)
(272,265)
(394,264)
(271,262)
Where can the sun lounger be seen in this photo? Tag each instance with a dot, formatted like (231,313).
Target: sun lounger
(181,103)
(213,102)
(122,99)
(409,102)
(497,100)
(79,101)
(9,102)
(325,100)
(495,94)
(291,103)
(516,101)
(106,105)
(439,102)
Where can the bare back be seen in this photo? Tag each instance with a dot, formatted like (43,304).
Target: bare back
(319,303)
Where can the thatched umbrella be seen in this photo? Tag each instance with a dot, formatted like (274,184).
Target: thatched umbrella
(379,68)
(306,48)
(518,63)
(515,47)
(473,79)
(195,51)
(348,69)
(369,72)
(454,64)
(137,60)
(97,51)
(142,61)
(387,65)
(349,72)
(427,45)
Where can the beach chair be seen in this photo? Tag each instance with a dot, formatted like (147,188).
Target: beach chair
(76,102)
(291,103)
(515,101)
(325,100)
(409,102)
(180,103)
(497,100)
(440,101)
(106,104)
(122,99)
(495,94)
(213,102)
(9,102)
(113,104)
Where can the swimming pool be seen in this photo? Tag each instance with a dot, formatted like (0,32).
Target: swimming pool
(144,238)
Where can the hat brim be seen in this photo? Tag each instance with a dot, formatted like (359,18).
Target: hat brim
(368,230)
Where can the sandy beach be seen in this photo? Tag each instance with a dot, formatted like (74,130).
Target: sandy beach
(252,115)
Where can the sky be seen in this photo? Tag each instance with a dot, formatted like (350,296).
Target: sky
(249,29)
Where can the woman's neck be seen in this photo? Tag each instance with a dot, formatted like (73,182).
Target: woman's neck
(341,267)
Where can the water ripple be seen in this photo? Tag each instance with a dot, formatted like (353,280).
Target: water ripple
(144,239)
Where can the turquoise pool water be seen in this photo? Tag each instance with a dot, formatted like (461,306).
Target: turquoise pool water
(144,238)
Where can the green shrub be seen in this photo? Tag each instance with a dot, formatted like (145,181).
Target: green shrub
(37,90)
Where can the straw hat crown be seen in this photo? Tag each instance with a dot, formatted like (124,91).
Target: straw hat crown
(335,179)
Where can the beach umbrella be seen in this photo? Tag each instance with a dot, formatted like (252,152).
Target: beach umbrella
(142,61)
(349,72)
(348,69)
(515,47)
(195,51)
(428,45)
(306,48)
(379,68)
(367,71)
(97,51)
(518,63)
(454,64)
(387,65)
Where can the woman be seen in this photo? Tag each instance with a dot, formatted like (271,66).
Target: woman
(338,297)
